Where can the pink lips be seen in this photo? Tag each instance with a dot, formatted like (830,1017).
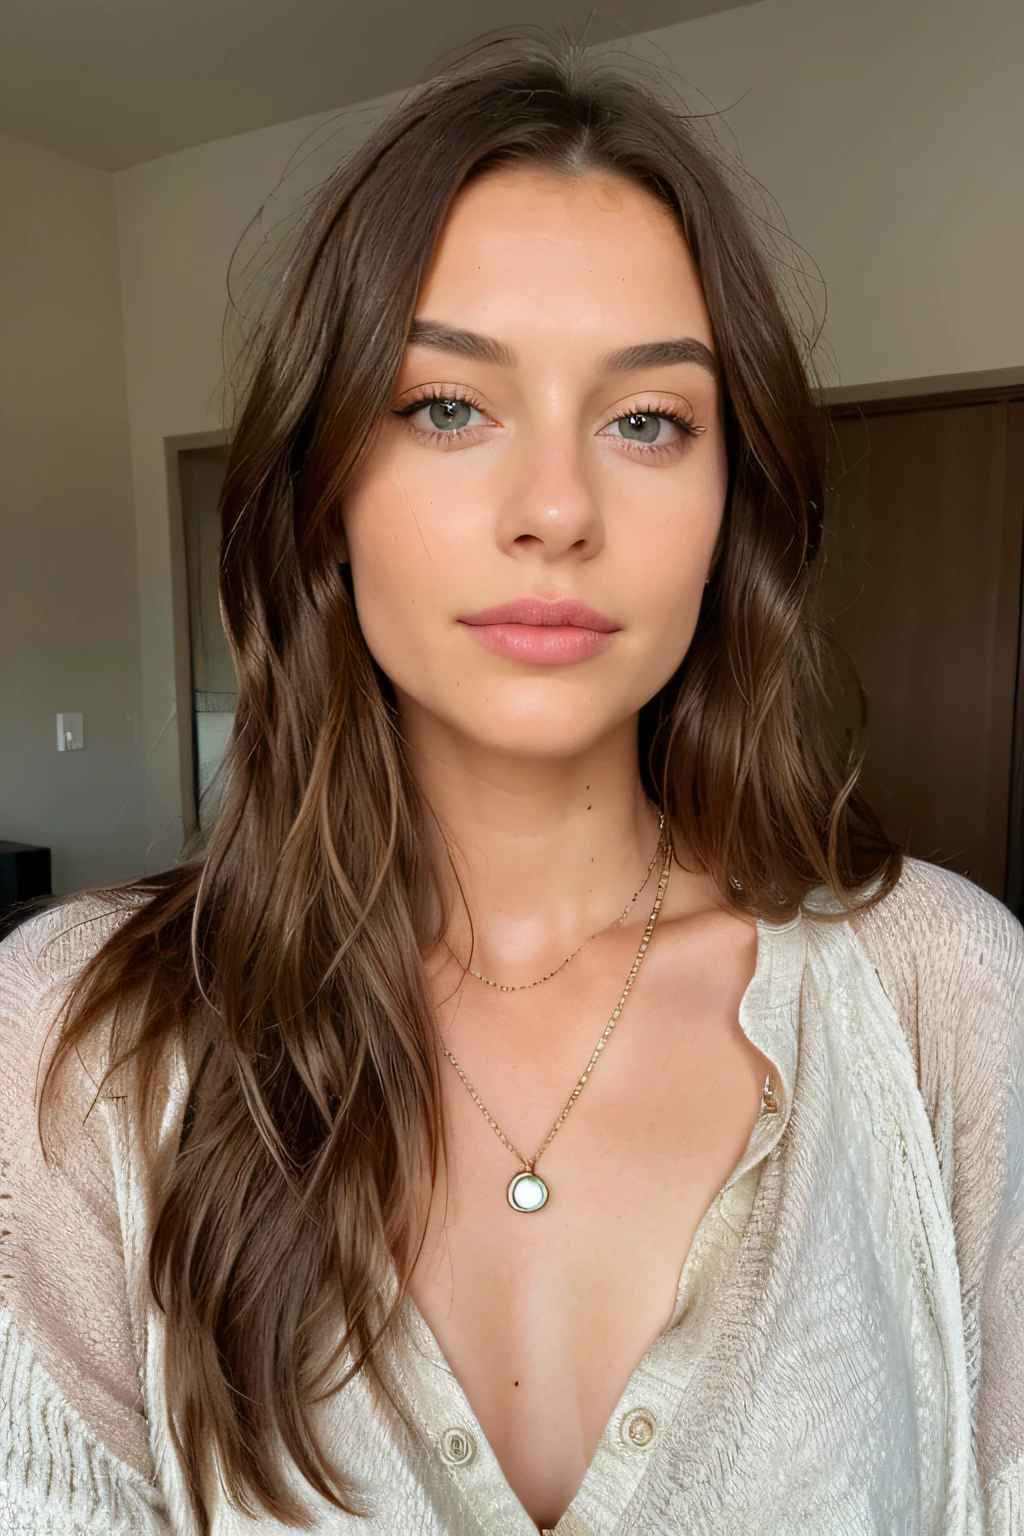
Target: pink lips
(543,632)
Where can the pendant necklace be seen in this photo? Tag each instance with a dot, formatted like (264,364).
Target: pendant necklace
(527,1191)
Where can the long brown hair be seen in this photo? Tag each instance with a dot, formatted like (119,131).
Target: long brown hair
(287,960)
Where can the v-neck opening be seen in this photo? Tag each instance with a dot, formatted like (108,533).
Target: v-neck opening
(769,1017)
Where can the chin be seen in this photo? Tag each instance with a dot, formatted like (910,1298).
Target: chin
(543,740)
(540,720)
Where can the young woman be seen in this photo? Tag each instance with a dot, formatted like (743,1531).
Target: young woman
(549,1103)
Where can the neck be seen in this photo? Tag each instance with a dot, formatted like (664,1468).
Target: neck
(545,850)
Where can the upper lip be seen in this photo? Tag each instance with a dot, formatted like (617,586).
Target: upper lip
(539,610)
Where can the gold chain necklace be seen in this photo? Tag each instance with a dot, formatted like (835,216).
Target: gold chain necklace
(527,1191)
(524,986)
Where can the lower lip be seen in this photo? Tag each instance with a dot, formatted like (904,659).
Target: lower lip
(549,645)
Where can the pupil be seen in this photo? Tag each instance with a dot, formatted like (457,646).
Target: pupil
(642,428)
(449,415)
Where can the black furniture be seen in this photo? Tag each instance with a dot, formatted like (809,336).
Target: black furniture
(24,878)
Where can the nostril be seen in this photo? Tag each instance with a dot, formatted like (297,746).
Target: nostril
(525,539)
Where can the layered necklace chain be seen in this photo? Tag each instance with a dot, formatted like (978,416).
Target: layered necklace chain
(524,986)
(527,1191)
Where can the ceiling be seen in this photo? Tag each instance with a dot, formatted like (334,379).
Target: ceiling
(116,82)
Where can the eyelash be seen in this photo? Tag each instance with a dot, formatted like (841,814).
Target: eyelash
(689,428)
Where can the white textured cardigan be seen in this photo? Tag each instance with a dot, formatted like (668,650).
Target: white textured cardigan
(846,1353)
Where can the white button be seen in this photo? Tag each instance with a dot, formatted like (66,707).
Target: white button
(636,1428)
(457,1447)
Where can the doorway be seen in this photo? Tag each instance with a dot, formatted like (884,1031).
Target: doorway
(206,686)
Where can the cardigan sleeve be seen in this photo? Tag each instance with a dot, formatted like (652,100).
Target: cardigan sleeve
(951,960)
(74,1446)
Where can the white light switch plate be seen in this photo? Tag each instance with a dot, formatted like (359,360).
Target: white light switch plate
(70,733)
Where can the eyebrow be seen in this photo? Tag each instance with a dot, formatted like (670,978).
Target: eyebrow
(654,354)
(449,338)
(486,349)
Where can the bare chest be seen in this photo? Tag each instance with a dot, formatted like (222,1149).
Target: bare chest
(543,1317)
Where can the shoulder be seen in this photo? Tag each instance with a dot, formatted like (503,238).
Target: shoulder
(67,1340)
(950,959)
(939,941)
(41,959)
(53,945)
(931,906)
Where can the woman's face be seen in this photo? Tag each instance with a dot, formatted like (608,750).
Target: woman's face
(530,537)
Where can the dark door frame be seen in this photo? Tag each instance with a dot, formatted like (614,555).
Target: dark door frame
(911,394)
(173,448)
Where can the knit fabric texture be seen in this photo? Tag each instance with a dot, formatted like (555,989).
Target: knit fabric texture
(846,1353)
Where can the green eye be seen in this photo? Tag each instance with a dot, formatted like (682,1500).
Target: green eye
(640,427)
(449,415)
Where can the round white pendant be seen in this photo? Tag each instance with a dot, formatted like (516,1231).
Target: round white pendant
(527,1192)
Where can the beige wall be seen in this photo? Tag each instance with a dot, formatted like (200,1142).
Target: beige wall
(891,135)
(179,220)
(890,132)
(68,591)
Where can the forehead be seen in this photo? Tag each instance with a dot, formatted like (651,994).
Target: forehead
(527,249)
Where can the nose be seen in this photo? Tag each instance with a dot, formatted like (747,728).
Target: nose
(550,509)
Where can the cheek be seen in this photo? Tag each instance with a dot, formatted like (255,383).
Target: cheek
(423,545)
(403,550)
(662,551)
(407,519)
